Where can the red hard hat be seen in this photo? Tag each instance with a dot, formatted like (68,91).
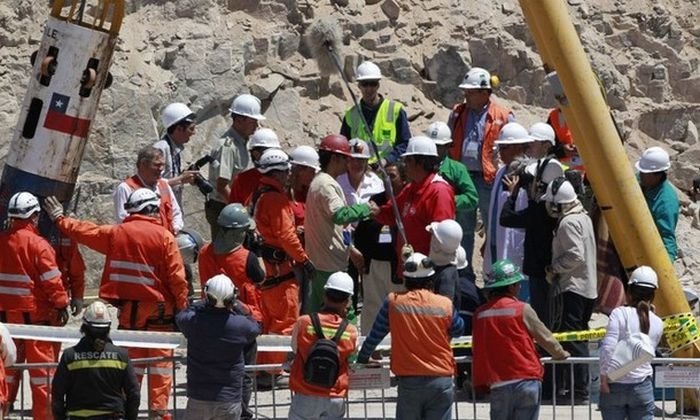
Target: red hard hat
(335,143)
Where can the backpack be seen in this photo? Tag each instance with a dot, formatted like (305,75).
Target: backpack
(322,365)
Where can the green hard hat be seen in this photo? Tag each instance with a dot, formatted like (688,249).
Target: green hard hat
(235,216)
(503,273)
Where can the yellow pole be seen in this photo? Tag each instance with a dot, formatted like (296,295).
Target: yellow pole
(607,166)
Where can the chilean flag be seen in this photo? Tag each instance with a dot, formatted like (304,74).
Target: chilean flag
(58,120)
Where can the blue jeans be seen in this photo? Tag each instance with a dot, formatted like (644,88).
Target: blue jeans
(310,407)
(424,398)
(467,219)
(628,401)
(516,401)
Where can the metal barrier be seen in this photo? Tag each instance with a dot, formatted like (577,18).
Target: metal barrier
(381,402)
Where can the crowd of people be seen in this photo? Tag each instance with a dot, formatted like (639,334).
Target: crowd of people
(374,221)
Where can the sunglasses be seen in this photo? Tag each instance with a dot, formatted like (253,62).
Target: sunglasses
(372,83)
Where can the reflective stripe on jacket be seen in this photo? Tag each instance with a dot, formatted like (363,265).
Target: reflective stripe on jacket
(383,127)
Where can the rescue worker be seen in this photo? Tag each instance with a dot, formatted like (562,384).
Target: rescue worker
(245,183)
(444,241)
(312,401)
(226,254)
(542,145)
(454,172)
(143,275)
(179,123)
(504,329)
(564,147)
(8,356)
(280,249)
(305,165)
(475,126)
(573,277)
(218,330)
(421,325)
(231,152)
(388,123)
(327,241)
(31,292)
(428,198)
(660,195)
(95,379)
(70,262)
(150,163)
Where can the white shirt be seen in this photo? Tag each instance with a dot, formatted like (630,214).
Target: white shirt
(371,184)
(617,330)
(121,194)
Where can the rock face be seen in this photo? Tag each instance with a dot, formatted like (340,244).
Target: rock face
(206,52)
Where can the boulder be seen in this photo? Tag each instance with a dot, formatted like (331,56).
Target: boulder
(264,88)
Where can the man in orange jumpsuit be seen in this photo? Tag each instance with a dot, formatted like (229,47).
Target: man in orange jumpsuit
(227,255)
(70,262)
(31,292)
(143,275)
(281,248)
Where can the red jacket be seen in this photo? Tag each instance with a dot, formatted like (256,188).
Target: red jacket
(243,186)
(30,280)
(166,200)
(70,262)
(305,338)
(143,264)
(235,266)
(496,118)
(431,200)
(500,334)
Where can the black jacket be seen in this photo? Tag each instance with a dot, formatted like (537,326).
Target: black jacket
(89,380)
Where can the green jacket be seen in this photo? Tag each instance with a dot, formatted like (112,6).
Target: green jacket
(456,174)
(664,207)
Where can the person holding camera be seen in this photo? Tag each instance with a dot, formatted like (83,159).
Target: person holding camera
(218,330)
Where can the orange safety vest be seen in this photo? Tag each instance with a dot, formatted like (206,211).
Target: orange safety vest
(166,199)
(234,265)
(30,281)
(420,341)
(561,130)
(497,116)
(306,336)
(143,266)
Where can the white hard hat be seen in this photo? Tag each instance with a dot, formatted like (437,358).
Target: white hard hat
(367,70)
(644,276)
(341,282)
(461,258)
(174,113)
(264,137)
(359,149)
(513,133)
(420,145)
(542,132)
(189,242)
(141,199)
(305,156)
(552,170)
(418,266)
(247,106)
(97,315)
(654,159)
(560,191)
(219,291)
(448,233)
(439,132)
(23,205)
(273,160)
(476,78)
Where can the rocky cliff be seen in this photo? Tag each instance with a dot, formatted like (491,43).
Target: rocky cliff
(205,52)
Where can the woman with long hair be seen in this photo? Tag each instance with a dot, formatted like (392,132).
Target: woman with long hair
(631,396)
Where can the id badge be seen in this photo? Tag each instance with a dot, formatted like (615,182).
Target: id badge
(385,235)
(472,151)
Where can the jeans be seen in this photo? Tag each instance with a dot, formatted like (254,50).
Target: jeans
(249,356)
(212,410)
(576,312)
(467,219)
(516,401)
(628,401)
(424,398)
(310,407)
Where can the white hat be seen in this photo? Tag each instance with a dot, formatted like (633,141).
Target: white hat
(644,276)
(513,133)
(341,282)
(420,145)
(359,149)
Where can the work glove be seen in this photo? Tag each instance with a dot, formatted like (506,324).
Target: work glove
(309,270)
(63,316)
(406,251)
(76,305)
(53,208)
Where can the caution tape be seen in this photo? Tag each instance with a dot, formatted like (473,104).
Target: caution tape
(585,335)
(680,330)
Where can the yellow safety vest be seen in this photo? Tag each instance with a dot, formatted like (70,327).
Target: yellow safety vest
(383,130)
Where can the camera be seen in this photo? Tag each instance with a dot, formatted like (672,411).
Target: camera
(202,183)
